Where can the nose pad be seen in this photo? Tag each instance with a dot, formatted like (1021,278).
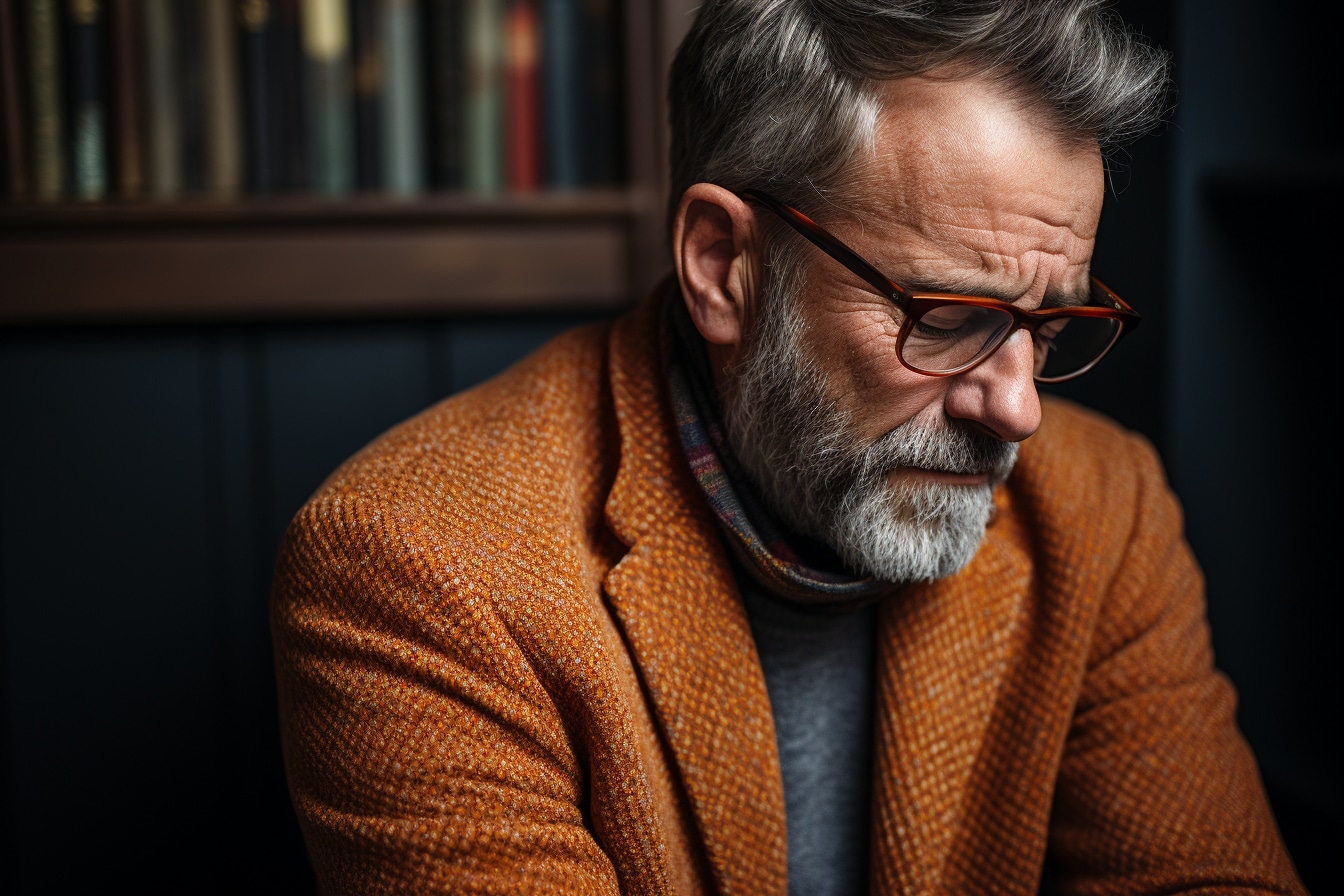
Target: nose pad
(999,394)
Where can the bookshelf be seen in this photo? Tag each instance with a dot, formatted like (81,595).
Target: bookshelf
(359,251)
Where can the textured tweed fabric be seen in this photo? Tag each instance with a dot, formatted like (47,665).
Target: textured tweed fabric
(512,658)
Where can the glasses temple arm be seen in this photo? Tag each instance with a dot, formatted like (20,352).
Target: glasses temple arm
(814,233)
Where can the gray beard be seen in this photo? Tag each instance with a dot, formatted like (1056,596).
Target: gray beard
(813,471)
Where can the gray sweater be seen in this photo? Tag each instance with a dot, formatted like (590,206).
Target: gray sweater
(819,674)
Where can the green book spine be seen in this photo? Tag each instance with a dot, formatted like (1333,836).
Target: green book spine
(485,97)
(47,153)
(403,126)
(163,122)
(329,95)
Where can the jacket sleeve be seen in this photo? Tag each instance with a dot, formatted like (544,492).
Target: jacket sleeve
(422,754)
(1158,791)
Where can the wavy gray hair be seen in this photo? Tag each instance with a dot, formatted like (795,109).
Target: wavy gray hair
(782,94)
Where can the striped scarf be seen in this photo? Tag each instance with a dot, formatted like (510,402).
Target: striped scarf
(791,566)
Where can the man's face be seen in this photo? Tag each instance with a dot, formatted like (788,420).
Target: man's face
(893,468)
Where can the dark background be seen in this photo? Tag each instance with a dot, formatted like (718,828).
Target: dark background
(147,473)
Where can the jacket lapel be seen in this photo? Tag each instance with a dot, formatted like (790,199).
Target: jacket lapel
(944,651)
(678,606)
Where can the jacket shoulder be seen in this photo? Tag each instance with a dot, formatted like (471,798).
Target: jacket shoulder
(1082,463)
(501,480)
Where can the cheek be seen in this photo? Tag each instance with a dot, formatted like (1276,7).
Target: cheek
(867,380)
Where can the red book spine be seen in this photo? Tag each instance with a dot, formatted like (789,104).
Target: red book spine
(523,100)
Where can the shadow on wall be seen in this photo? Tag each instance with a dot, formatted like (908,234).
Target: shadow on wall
(146,478)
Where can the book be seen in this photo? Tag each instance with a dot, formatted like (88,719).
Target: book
(126,127)
(403,111)
(367,70)
(291,122)
(328,95)
(562,106)
(257,76)
(222,115)
(87,104)
(445,55)
(45,88)
(483,169)
(522,98)
(13,153)
(601,98)
(189,41)
(162,108)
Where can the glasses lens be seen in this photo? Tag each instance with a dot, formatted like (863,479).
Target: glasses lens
(1072,344)
(949,337)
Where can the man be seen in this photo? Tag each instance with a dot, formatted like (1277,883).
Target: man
(789,580)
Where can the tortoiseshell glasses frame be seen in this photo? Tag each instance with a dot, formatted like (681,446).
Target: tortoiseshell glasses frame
(943,334)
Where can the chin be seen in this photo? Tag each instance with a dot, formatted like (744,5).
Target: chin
(920,534)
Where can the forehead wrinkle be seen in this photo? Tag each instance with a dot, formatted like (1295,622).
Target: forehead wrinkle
(938,262)
(1020,250)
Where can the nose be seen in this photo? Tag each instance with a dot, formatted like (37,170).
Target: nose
(999,393)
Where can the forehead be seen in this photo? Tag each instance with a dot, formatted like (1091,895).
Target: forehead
(975,186)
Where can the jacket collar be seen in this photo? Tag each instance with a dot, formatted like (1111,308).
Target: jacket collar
(943,652)
(678,604)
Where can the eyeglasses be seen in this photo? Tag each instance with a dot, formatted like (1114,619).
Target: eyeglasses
(945,334)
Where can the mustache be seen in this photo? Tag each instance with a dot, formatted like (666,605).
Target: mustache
(956,448)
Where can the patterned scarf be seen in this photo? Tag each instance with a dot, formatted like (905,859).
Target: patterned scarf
(791,566)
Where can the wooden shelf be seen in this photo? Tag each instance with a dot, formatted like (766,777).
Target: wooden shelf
(309,258)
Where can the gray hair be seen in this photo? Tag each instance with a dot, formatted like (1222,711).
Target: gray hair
(782,94)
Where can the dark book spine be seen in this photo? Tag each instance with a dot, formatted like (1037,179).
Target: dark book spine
(523,97)
(603,121)
(403,111)
(369,72)
(562,107)
(191,94)
(445,55)
(47,143)
(163,118)
(257,87)
(85,27)
(127,125)
(326,67)
(12,117)
(223,117)
(291,118)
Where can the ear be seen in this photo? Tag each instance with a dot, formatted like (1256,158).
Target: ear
(714,251)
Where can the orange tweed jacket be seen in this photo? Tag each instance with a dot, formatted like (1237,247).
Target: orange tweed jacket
(512,658)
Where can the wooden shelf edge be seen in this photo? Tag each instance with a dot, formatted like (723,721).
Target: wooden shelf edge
(548,207)
(111,275)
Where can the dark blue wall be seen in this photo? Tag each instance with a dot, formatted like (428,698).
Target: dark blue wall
(146,476)
(1254,390)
